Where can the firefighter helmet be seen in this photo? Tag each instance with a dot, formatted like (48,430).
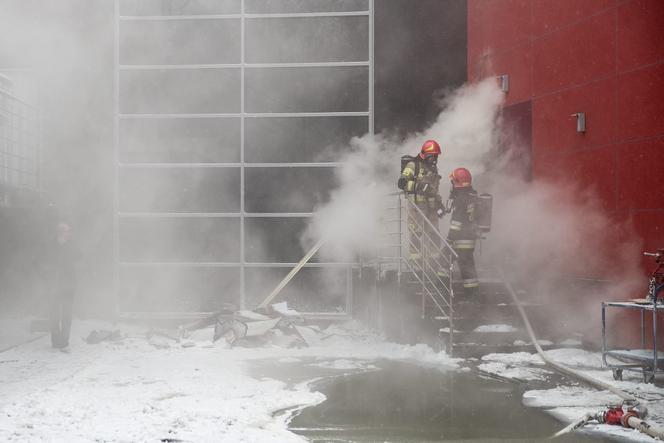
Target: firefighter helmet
(429,148)
(461,178)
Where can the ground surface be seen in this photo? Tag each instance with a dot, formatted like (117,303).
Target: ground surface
(142,390)
(134,391)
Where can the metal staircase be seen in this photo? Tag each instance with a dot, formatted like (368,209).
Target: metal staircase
(414,288)
(421,258)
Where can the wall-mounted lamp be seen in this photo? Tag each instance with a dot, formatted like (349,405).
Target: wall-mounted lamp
(504,82)
(580,121)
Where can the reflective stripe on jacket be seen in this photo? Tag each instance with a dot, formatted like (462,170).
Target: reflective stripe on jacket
(463,230)
(425,174)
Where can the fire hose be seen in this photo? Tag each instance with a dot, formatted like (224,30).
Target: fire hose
(633,418)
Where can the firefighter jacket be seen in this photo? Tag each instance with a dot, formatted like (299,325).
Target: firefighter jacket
(463,229)
(420,181)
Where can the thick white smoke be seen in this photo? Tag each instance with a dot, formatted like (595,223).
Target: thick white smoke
(543,233)
(350,221)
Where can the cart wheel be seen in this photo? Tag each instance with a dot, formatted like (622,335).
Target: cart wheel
(617,374)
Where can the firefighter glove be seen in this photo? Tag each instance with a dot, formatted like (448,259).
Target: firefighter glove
(402,182)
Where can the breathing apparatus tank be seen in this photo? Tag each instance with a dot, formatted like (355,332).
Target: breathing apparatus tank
(483,210)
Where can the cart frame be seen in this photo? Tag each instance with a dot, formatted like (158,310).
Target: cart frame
(645,359)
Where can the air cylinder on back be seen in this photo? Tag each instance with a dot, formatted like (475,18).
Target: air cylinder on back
(483,210)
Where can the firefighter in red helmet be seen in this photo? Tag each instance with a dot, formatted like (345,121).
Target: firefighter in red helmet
(419,179)
(463,230)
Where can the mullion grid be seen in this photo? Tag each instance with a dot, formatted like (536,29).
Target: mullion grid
(243,215)
(19,144)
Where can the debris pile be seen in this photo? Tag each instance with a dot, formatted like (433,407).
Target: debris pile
(279,326)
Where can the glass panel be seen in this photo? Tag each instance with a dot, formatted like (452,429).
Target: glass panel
(180,239)
(180,190)
(307,89)
(180,42)
(179,7)
(176,140)
(307,139)
(274,240)
(285,6)
(180,91)
(323,39)
(311,290)
(287,189)
(178,289)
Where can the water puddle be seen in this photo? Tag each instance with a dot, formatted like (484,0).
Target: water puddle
(402,402)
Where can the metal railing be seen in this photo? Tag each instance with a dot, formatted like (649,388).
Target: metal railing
(414,247)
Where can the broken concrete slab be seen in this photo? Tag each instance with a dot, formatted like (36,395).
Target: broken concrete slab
(311,335)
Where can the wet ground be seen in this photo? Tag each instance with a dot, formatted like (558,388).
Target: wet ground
(402,402)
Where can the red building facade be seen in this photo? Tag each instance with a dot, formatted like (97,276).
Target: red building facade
(604,58)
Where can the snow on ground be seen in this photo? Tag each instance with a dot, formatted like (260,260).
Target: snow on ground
(133,391)
(569,403)
(495,328)
(520,366)
(345,364)
(513,372)
(16,330)
(146,390)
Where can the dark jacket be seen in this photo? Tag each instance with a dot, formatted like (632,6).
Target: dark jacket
(61,266)
(462,221)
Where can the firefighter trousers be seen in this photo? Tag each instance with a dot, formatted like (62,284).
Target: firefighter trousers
(466,262)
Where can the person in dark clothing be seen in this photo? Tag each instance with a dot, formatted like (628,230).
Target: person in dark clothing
(62,269)
(463,229)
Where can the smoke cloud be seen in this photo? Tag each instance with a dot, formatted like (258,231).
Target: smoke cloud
(543,234)
(542,231)
(465,128)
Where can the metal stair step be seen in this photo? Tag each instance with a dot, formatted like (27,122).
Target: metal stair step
(488,338)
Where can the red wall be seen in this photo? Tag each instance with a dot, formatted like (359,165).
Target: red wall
(601,57)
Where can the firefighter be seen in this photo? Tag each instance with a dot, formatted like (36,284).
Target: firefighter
(419,179)
(463,229)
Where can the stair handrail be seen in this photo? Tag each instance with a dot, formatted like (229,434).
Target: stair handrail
(424,231)
(431,225)
(429,293)
(424,241)
(413,269)
(423,269)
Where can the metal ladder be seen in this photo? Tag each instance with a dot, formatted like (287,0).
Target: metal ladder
(413,247)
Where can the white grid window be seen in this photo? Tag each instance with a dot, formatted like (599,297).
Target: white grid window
(228,118)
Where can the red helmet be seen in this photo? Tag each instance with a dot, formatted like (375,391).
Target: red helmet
(430,147)
(461,178)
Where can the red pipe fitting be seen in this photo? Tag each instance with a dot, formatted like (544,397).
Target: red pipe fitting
(624,420)
(613,416)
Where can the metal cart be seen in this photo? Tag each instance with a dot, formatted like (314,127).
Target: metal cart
(647,360)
